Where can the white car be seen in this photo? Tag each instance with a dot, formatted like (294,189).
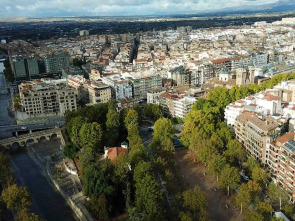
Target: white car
(23,128)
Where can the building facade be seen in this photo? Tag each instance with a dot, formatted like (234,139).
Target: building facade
(25,68)
(255,134)
(281,162)
(153,95)
(143,85)
(99,93)
(176,105)
(44,98)
(54,63)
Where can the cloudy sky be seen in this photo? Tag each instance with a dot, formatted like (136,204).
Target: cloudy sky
(44,8)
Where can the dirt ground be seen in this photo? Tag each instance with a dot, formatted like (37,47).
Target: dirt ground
(193,174)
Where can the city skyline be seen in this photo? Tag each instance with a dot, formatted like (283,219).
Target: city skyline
(45,8)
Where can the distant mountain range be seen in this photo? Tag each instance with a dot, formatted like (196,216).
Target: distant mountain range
(280,6)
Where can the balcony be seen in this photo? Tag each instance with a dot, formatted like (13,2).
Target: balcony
(291,174)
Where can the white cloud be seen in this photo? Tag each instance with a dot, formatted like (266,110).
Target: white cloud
(30,8)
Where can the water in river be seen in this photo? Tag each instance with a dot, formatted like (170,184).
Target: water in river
(5,119)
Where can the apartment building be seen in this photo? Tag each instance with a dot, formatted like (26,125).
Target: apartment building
(141,86)
(219,64)
(25,68)
(176,105)
(99,93)
(180,76)
(121,87)
(255,134)
(153,95)
(44,98)
(281,162)
(68,72)
(55,62)
(126,103)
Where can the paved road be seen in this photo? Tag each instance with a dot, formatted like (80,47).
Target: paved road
(27,127)
(47,202)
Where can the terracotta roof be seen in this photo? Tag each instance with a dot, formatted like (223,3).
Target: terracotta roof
(266,125)
(245,116)
(114,152)
(270,97)
(140,60)
(222,60)
(286,137)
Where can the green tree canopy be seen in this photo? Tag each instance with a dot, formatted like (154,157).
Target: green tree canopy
(289,209)
(251,164)
(220,96)
(216,163)
(149,199)
(234,153)
(70,151)
(113,120)
(78,62)
(185,216)
(74,127)
(243,198)
(195,201)
(216,142)
(260,175)
(131,118)
(229,177)
(153,111)
(26,215)
(137,154)
(86,156)
(205,153)
(112,124)
(197,121)
(100,207)
(16,197)
(265,209)
(277,194)
(6,174)
(254,216)
(97,179)
(163,128)
(141,170)
(91,136)
(133,136)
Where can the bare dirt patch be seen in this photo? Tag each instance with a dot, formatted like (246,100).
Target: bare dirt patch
(193,174)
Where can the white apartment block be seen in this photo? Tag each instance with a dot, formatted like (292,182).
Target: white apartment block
(121,88)
(176,105)
(153,95)
(182,106)
(263,103)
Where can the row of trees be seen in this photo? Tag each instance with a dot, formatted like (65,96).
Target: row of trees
(14,197)
(222,96)
(251,197)
(212,141)
(8,71)
(190,204)
(153,111)
(129,183)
